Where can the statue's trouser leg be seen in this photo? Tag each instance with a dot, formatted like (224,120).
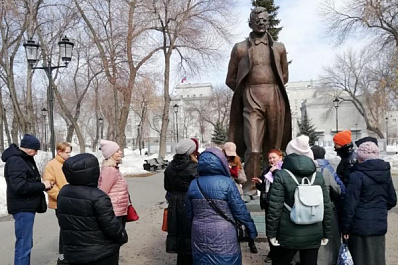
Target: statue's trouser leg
(263,121)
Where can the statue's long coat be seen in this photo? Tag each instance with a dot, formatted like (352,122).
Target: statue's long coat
(238,68)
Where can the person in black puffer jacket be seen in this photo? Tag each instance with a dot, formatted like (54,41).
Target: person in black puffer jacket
(177,177)
(25,193)
(89,228)
(370,194)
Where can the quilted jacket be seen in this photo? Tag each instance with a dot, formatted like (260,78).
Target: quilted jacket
(53,173)
(115,185)
(370,194)
(214,239)
(279,225)
(89,228)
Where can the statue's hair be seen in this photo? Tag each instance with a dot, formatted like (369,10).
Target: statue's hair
(255,12)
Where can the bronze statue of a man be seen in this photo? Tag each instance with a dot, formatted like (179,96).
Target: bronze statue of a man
(260,116)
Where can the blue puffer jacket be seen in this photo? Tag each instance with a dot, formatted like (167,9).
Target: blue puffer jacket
(214,239)
(370,194)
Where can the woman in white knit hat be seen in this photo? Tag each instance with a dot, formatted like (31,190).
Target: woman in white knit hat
(111,180)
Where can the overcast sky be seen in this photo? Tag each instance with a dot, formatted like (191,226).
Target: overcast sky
(302,34)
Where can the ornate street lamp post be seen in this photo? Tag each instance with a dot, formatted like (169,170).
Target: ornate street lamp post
(175,108)
(386,131)
(101,124)
(139,136)
(65,50)
(44,115)
(336,103)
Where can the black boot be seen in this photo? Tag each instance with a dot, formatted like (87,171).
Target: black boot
(252,246)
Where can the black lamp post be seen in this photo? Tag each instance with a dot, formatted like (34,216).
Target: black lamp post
(336,103)
(356,131)
(101,124)
(44,115)
(386,131)
(139,136)
(175,108)
(65,50)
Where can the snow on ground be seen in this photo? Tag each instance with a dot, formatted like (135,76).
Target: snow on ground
(133,161)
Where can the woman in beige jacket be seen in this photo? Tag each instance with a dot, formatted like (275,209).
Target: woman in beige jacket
(53,173)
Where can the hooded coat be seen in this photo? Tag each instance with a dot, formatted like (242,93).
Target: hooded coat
(370,194)
(25,192)
(279,224)
(214,239)
(177,177)
(89,227)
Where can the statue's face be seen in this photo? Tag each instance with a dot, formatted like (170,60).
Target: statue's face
(260,23)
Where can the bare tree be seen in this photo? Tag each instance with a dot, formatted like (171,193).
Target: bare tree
(352,73)
(362,18)
(115,27)
(194,29)
(16,17)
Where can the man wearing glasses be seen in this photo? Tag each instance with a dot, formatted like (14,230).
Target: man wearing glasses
(260,116)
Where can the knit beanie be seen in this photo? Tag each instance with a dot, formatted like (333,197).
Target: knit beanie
(318,151)
(367,150)
(196,152)
(366,139)
(185,147)
(31,142)
(342,138)
(108,148)
(300,145)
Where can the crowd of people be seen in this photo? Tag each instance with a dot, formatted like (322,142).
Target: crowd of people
(310,207)
(91,210)
(354,200)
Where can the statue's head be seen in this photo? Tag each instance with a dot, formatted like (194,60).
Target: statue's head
(259,20)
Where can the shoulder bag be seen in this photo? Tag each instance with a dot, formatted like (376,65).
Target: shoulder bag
(131,213)
(241,231)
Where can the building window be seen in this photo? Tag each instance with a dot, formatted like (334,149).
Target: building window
(200,95)
(194,95)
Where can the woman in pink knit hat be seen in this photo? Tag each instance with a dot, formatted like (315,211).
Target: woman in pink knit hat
(111,180)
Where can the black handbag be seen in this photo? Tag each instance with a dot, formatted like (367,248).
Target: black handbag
(241,231)
(43,204)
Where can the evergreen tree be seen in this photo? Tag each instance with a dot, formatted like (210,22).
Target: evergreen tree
(307,128)
(219,135)
(272,11)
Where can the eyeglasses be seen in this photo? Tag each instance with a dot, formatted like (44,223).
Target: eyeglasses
(260,20)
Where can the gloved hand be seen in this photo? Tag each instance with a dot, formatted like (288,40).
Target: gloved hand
(274,242)
(324,241)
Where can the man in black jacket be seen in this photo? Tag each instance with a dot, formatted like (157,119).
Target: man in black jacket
(25,195)
(90,230)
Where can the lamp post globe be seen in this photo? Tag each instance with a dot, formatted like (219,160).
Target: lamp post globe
(32,51)
(65,49)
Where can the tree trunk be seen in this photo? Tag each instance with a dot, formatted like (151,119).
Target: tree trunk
(82,142)
(166,108)
(1,122)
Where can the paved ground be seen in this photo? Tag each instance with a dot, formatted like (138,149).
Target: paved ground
(146,244)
